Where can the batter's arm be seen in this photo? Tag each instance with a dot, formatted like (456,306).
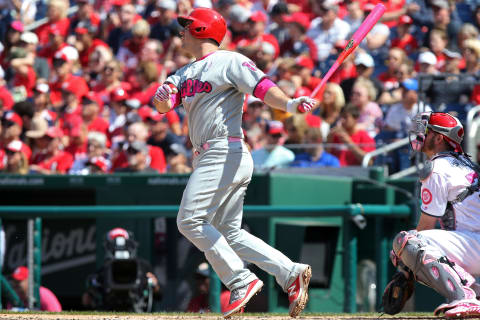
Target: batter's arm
(426,222)
(277,99)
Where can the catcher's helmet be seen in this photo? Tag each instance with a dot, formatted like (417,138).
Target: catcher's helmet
(205,23)
(445,124)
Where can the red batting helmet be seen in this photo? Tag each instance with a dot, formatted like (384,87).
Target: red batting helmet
(205,23)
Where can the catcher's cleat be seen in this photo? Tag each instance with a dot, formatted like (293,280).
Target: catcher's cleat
(298,291)
(240,296)
(464,309)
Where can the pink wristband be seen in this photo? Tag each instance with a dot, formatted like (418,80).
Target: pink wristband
(262,87)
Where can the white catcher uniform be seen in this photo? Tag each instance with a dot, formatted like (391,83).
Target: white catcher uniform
(462,243)
(212,90)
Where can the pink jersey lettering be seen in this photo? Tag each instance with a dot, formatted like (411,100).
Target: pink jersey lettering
(191,87)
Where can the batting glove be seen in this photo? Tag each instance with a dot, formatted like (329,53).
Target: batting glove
(163,92)
(300,104)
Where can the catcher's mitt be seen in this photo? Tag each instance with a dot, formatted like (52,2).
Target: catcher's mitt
(397,293)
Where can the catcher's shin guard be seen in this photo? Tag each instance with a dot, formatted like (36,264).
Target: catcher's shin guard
(433,269)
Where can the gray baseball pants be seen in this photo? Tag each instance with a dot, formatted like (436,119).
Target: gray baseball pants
(211,211)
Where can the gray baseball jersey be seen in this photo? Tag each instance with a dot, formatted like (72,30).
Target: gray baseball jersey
(213,92)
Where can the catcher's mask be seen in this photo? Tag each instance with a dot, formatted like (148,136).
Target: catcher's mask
(443,123)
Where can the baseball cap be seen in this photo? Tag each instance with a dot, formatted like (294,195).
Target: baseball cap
(118,94)
(275,127)
(138,146)
(84,27)
(440,4)
(428,58)
(15,146)
(258,16)
(268,48)
(239,13)
(299,18)
(146,113)
(38,128)
(410,84)
(167,4)
(364,59)
(304,62)
(17,26)
(202,4)
(280,8)
(67,54)
(133,103)
(13,118)
(117,232)
(451,54)
(405,20)
(203,270)
(20,273)
(330,4)
(29,37)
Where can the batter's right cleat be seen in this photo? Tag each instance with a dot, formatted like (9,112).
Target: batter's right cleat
(298,291)
(240,296)
(464,310)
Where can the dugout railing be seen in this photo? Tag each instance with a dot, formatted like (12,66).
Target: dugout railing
(351,216)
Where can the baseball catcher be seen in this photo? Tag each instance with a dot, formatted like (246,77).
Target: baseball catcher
(445,260)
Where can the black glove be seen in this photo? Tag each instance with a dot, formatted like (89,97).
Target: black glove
(397,292)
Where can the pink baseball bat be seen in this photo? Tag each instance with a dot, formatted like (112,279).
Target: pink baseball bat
(353,43)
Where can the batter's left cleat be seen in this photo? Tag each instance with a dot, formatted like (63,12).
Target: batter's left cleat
(240,296)
(464,310)
(298,291)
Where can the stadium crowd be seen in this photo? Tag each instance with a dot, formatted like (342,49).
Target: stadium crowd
(75,92)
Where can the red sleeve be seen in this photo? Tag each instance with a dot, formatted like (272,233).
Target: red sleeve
(312,47)
(6,98)
(64,163)
(367,141)
(172,117)
(157,161)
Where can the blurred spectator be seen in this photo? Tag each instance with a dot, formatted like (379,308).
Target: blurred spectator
(199,303)
(55,43)
(399,116)
(86,43)
(330,106)
(394,95)
(295,127)
(95,158)
(452,61)
(41,103)
(396,57)
(352,141)
(129,52)
(238,16)
(277,27)
(472,56)
(23,74)
(29,41)
(468,31)
(19,281)
(427,63)
(155,158)
(364,66)
(314,155)
(137,157)
(166,25)
(10,40)
(257,35)
(376,40)
(327,28)
(147,74)
(124,30)
(21,10)
(153,51)
(26,111)
(162,137)
(437,44)
(97,62)
(6,99)
(404,38)
(49,158)
(63,77)
(85,14)
(370,114)
(302,75)
(273,155)
(298,43)
(12,125)
(91,115)
(16,160)
(110,82)
(57,21)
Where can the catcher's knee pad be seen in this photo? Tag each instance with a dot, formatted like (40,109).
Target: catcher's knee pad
(431,268)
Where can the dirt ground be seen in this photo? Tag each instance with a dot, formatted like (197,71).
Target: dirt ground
(62,316)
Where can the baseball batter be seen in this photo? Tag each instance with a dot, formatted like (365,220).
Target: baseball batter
(446,260)
(212,90)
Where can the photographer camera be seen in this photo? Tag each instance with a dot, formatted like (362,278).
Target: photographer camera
(125,282)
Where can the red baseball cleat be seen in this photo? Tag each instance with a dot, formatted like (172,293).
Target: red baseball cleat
(464,310)
(240,296)
(298,291)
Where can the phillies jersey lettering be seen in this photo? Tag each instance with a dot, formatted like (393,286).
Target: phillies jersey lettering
(212,91)
(191,87)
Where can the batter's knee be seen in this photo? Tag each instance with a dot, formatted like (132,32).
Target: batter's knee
(185,223)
